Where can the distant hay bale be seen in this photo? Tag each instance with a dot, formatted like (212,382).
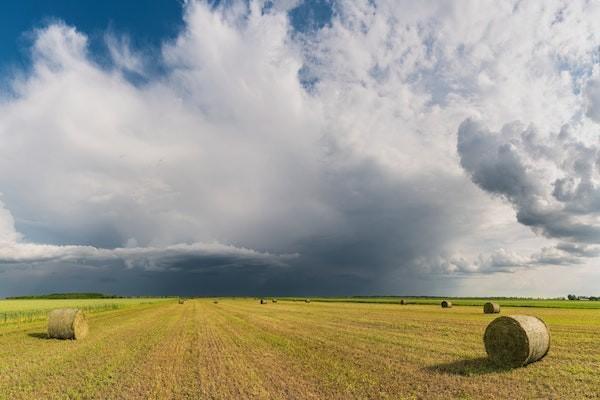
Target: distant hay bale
(181,301)
(446,304)
(263,301)
(516,340)
(67,323)
(307,300)
(216,302)
(402,302)
(491,308)
(274,300)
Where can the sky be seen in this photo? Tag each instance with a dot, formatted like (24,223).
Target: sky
(300,147)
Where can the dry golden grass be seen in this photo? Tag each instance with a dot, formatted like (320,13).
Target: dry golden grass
(239,349)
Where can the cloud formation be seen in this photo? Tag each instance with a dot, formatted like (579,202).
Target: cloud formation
(551,180)
(14,251)
(323,159)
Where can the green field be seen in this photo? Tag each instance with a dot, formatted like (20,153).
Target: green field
(17,311)
(239,349)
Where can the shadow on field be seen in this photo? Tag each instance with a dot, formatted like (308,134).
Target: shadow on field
(475,366)
(38,335)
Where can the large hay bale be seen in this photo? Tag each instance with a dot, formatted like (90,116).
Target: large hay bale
(402,302)
(274,300)
(181,301)
(446,304)
(67,323)
(307,300)
(491,308)
(516,340)
(263,301)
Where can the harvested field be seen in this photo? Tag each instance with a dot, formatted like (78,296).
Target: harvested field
(239,349)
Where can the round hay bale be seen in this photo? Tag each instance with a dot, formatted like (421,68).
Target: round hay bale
(181,301)
(446,304)
(216,302)
(491,308)
(516,340)
(263,301)
(307,300)
(67,323)
(402,302)
(274,300)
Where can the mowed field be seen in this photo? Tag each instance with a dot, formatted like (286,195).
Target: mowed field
(239,349)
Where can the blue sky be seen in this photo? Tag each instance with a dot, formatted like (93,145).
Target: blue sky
(299,147)
(147,23)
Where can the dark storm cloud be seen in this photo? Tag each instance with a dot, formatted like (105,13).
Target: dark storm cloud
(592,92)
(384,226)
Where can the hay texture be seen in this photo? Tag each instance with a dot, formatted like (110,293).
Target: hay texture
(446,304)
(516,340)
(263,301)
(491,308)
(67,323)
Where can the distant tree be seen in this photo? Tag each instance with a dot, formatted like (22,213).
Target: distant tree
(572,297)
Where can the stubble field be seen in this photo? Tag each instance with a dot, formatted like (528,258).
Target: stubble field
(239,349)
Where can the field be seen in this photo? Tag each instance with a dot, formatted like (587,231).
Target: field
(17,311)
(470,301)
(239,349)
